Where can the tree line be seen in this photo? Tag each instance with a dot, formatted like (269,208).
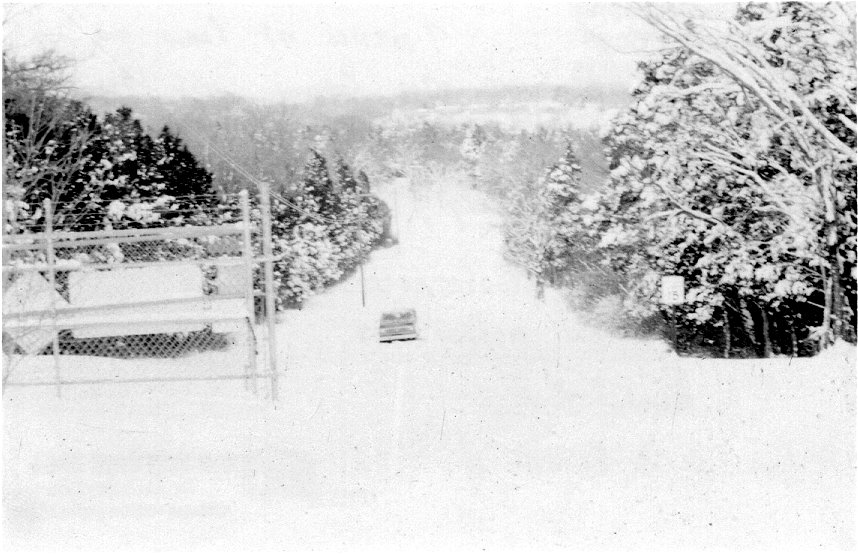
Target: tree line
(109,173)
(735,168)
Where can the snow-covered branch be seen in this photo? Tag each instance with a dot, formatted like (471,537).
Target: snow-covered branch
(753,73)
(684,208)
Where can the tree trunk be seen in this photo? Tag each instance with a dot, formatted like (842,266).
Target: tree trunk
(793,339)
(831,274)
(747,322)
(825,331)
(764,323)
(727,337)
(837,303)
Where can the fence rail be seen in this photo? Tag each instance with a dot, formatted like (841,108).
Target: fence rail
(154,232)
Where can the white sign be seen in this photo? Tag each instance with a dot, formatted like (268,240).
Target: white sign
(672,289)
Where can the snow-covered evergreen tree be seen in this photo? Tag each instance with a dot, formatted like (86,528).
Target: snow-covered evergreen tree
(363,182)
(547,228)
(323,230)
(559,197)
(346,181)
(317,188)
(472,148)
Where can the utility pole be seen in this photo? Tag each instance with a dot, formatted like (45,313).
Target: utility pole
(362,281)
(396,208)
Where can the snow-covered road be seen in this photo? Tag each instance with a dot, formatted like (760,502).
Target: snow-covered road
(510,423)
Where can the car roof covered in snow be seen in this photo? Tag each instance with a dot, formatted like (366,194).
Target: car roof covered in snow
(408,313)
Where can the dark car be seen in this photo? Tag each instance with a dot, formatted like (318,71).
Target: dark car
(398,326)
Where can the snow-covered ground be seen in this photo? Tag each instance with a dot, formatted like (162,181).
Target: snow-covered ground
(510,423)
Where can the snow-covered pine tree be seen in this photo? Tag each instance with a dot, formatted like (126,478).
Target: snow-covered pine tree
(180,175)
(549,228)
(146,182)
(360,223)
(310,263)
(559,200)
(345,230)
(318,247)
(303,229)
(346,181)
(524,233)
(472,148)
(317,187)
(363,182)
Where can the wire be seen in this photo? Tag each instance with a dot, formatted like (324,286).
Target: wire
(217,151)
(250,177)
(247,175)
(146,199)
(295,207)
(156,210)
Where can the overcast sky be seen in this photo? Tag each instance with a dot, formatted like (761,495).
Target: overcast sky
(302,50)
